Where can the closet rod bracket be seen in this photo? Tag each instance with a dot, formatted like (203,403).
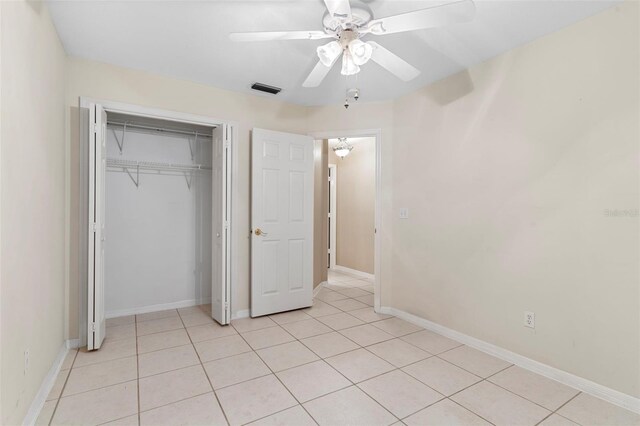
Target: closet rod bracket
(120,142)
(189,178)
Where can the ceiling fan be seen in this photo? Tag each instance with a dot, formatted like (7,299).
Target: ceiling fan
(347,23)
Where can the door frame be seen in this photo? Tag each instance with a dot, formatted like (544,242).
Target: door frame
(333,197)
(377,134)
(232,196)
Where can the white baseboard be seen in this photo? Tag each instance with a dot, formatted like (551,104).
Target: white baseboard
(353,272)
(73,343)
(46,386)
(318,288)
(240,314)
(610,395)
(155,308)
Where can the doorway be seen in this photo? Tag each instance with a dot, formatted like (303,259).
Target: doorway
(349,213)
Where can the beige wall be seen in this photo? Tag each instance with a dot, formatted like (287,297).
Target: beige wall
(356,202)
(102,81)
(320,209)
(508,169)
(32,195)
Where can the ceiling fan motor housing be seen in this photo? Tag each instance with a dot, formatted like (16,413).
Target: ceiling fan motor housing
(360,16)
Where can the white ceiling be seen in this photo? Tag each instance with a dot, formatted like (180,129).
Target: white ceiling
(189,40)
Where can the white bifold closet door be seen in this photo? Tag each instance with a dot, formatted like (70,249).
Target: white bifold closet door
(282,222)
(220,243)
(96,327)
(221,217)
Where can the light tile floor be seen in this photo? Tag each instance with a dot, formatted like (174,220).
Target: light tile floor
(337,363)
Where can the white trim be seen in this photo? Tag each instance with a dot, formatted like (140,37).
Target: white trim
(240,314)
(333,205)
(142,111)
(610,395)
(131,109)
(353,272)
(46,386)
(73,343)
(317,289)
(155,308)
(376,133)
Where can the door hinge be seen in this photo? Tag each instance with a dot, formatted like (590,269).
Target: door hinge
(93,227)
(226,225)
(93,327)
(95,128)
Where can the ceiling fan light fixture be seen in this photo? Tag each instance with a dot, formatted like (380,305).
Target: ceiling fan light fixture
(360,51)
(349,67)
(328,53)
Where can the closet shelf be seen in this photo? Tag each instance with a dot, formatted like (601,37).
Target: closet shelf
(129,125)
(150,165)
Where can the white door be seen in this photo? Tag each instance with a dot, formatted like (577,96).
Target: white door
(281,222)
(97,169)
(221,186)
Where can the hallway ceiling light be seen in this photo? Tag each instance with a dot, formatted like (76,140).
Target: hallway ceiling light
(343,148)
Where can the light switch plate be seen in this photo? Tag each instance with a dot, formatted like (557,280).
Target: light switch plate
(404,213)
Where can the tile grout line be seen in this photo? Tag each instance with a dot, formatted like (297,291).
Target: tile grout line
(337,371)
(472,412)
(63,387)
(448,362)
(558,409)
(354,384)
(277,378)
(135,319)
(205,373)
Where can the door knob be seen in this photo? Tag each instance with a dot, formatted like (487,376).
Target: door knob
(259,232)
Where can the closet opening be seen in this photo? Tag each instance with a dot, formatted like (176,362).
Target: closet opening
(158,215)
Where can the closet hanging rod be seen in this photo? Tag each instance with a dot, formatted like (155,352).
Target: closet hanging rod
(158,129)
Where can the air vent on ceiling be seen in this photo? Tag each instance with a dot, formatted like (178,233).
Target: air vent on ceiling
(266,88)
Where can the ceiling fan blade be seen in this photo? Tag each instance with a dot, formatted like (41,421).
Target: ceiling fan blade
(340,9)
(318,74)
(433,17)
(393,63)
(279,35)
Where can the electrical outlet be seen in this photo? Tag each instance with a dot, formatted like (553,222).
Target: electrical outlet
(26,361)
(530,319)
(404,213)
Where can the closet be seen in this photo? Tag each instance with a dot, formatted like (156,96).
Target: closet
(158,216)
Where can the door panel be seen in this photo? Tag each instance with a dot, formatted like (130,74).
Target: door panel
(96,323)
(282,222)
(220,278)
